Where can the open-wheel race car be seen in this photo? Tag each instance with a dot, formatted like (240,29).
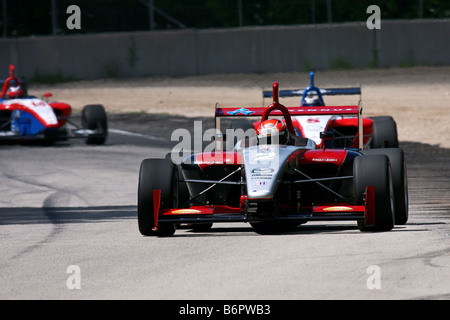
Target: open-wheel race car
(27,118)
(276,180)
(379,131)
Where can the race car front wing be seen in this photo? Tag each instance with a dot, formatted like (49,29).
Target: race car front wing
(223,213)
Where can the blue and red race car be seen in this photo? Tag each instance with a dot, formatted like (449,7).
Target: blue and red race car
(379,132)
(25,118)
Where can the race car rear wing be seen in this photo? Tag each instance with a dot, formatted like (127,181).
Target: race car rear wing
(313,90)
(293,111)
(324,92)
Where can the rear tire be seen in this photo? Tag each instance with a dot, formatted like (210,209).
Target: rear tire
(156,174)
(375,170)
(384,132)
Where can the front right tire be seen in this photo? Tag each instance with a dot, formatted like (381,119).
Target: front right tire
(156,174)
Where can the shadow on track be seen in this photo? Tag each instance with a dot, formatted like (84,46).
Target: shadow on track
(62,215)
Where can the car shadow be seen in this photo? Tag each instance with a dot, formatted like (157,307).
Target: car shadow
(63,215)
(246,230)
(305,229)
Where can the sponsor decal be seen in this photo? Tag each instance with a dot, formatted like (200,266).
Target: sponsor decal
(260,183)
(263,170)
(185,211)
(265,156)
(324,159)
(242,111)
(338,208)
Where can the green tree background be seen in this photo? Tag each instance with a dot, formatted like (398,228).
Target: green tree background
(21,18)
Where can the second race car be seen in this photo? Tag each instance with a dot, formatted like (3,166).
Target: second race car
(379,132)
(24,117)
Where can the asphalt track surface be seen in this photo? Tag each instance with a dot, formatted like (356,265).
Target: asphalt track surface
(71,204)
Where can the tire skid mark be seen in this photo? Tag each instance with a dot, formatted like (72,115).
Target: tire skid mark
(52,215)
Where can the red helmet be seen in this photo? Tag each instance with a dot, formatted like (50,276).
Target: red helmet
(273,127)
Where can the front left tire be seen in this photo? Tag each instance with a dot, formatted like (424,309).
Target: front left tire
(93,117)
(375,170)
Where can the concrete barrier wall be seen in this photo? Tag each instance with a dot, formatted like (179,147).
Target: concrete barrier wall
(238,50)
(423,42)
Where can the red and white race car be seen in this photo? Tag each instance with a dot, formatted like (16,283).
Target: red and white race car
(275,181)
(25,118)
(379,132)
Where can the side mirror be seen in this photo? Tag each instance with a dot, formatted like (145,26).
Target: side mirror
(46,95)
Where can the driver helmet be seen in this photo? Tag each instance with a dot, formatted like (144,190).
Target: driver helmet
(273,127)
(14,90)
(311,100)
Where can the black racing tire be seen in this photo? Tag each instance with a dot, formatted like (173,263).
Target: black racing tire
(375,170)
(156,174)
(183,191)
(384,132)
(93,117)
(399,180)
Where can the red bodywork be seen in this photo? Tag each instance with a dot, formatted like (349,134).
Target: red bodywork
(225,213)
(222,213)
(63,112)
